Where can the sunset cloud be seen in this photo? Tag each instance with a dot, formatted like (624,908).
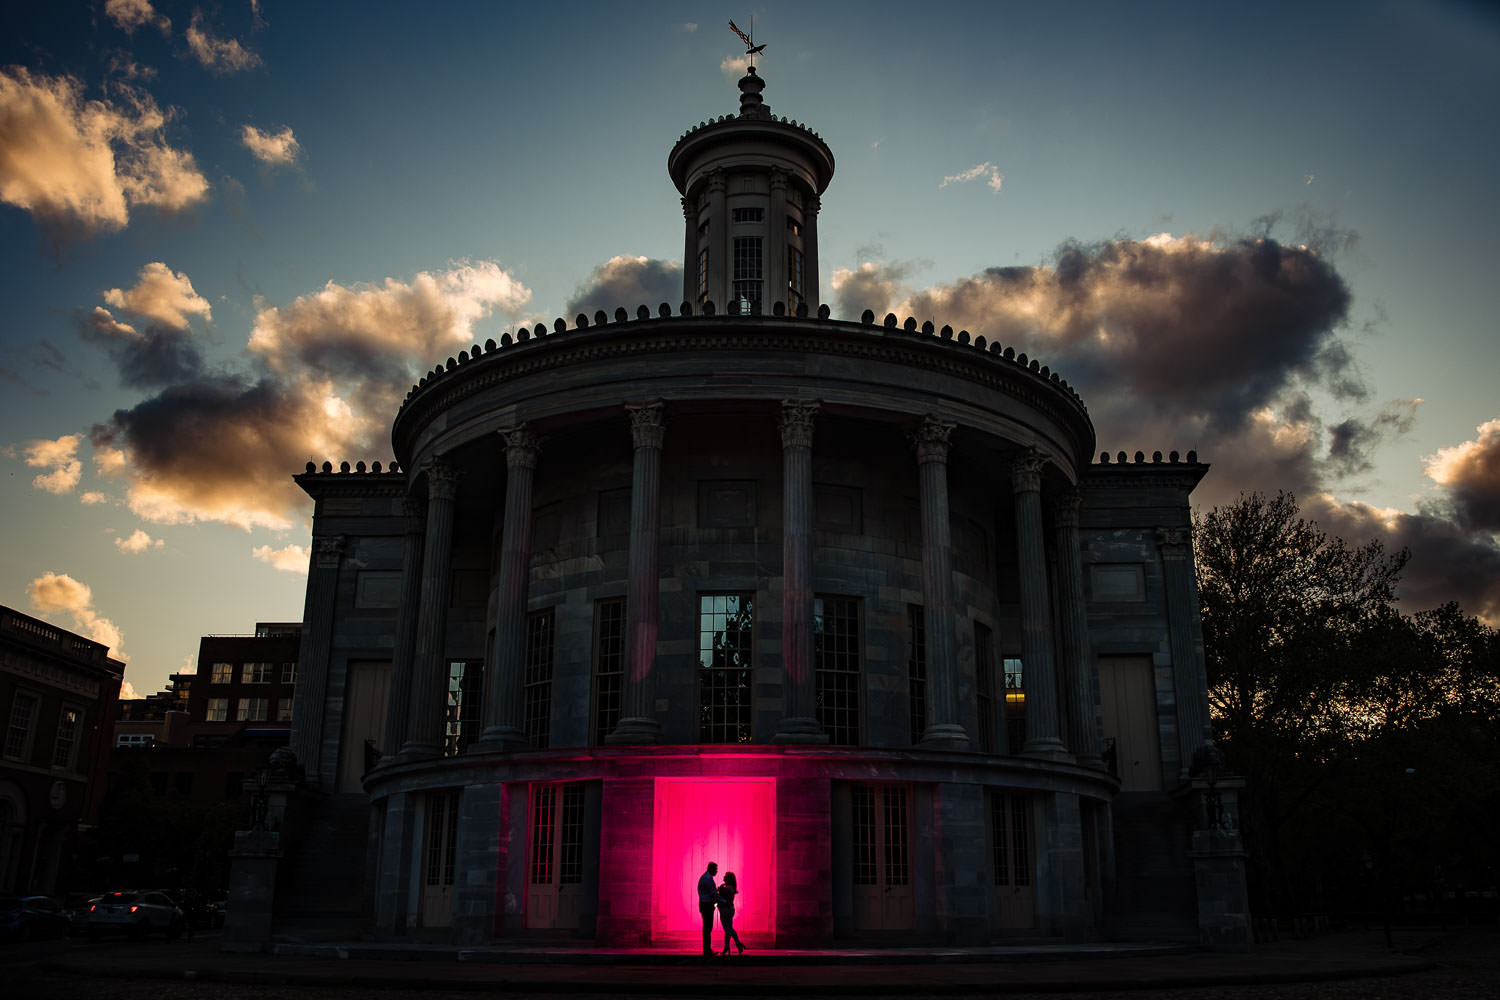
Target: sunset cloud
(218,55)
(1471,472)
(157,356)
(58,592)
(288,559)
(162,296)
(82,165)
(985,171)
(131,14)
(273,148)
(628,282)
(138,542)
(60,458)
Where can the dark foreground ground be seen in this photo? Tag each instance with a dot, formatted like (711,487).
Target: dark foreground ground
(1426,964)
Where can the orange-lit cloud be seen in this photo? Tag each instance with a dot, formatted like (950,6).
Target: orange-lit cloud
(138,542)
(82,165)
(273,148)
(131,14)
(218,55)
(1471,472)
(53,592)
(288,558)
(60,458)
(162,296)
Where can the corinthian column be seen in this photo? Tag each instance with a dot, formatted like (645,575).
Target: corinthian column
(502,709)
(1185,639)
(1080,675)
(313,658)
(403,655)
(637,713)
(799,723)
(1039,679)
(424,726)
(943,728)
(690,251)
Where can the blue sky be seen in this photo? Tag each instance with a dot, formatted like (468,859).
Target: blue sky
(233,233)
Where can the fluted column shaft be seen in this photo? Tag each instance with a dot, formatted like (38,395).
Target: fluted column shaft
(778,277)
(1080,673)
(1185,639)
(313,656)
(690,250)
(810,251)
(403,656)
(637,710)
(502,710)
(799,722)
(1039,679)
(943,728)
(720,248)
(424,727)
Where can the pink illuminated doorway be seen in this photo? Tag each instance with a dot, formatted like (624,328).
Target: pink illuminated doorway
(728,820)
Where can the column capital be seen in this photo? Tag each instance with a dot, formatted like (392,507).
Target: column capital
(522,446)
(1066,506)
(1026,472)
(779,177)
(1175,543)
(690,209)
(814,205)
(797,422)
(717,181)
(442,480)
(327,551)
(931,440)
(414,514)
(648,426)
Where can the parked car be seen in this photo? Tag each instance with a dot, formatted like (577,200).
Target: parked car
(136,914)
(31,918)
(78,911)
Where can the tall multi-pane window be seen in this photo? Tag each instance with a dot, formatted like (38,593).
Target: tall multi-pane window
(916,671)
(18,731)
(67,737)
(441,836)
(257,673)
(1010,838)
(536,685)
(880,848)
(747,271)
(253,709)
(702,275)
(463,711)
(289,673)
(284,710)
(985,686)
(609,665)
(223,673)
(836,662)
(725,628)
(795,280)
(217,710)
(1015,704)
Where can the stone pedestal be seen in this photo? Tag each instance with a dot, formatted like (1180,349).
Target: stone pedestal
(252,890)
(1218,856)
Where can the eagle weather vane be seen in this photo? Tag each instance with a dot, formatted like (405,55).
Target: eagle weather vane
(751,49)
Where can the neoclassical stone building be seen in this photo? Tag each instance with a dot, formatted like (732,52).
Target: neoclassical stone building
(847,607)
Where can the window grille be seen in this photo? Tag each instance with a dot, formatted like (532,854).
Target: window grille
(1015,704)
(836,660)
(1010,838)
(217,710)
(897,858)
(67,737)
(463,713)
(223,673)
(609,665)
(289,673)
(537,685)
(543,807)
(18,733)
(441,837)
(256,673)
(702,275)
(747,271)
(253,709)
(916,671)
(284,710)
(864,835)
(749,214)
(725,624)
(570,837)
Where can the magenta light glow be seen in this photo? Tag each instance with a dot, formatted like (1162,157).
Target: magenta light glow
(728,820)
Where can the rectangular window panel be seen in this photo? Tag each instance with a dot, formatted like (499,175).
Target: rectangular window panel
(463,710)
(985,687)
(725,626)
(289,673)
(702,274)
(747,270)
(1015,704)
(134,740)
(223,673)
(257,673)
(749,214)
(916,671)
(864,835)
(18,732)
(836,661)
(897,857)
(441,837)
(536,689)
(1010,838)
(570,837)
(67,737)
(284,710)
(253,709)
(796,287)
(218,710)
(543,808)
(609,666)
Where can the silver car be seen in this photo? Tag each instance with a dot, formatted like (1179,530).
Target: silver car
(136,914)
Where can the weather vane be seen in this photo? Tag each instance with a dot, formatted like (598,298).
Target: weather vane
(751,49)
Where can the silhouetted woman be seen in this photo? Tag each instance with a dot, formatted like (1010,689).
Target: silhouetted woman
(727,891)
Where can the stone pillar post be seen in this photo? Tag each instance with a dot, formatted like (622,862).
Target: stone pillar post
(721,249)
(1185,640)
(424,726)
(799,721)
(1039,678)
(778,277)
(403,656)
(637,700)
(1080,673)
(503,725)
(690,250)
(313,657)
(810,251)
(943,728)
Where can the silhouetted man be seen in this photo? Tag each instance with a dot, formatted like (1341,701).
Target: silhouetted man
(708,900)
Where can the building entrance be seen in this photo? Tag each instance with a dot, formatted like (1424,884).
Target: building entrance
(554,880)
(883,898)
(731,821)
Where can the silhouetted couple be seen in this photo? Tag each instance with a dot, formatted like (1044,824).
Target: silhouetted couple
(721,897)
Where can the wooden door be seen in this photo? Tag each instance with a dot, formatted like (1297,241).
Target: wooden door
(1127,699)
(1013,860)
(439,857)
(555,857)
(883,898)
(366,686)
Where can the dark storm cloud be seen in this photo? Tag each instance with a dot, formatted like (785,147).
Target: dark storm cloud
(626,282)
(161,355)
(1351,441)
